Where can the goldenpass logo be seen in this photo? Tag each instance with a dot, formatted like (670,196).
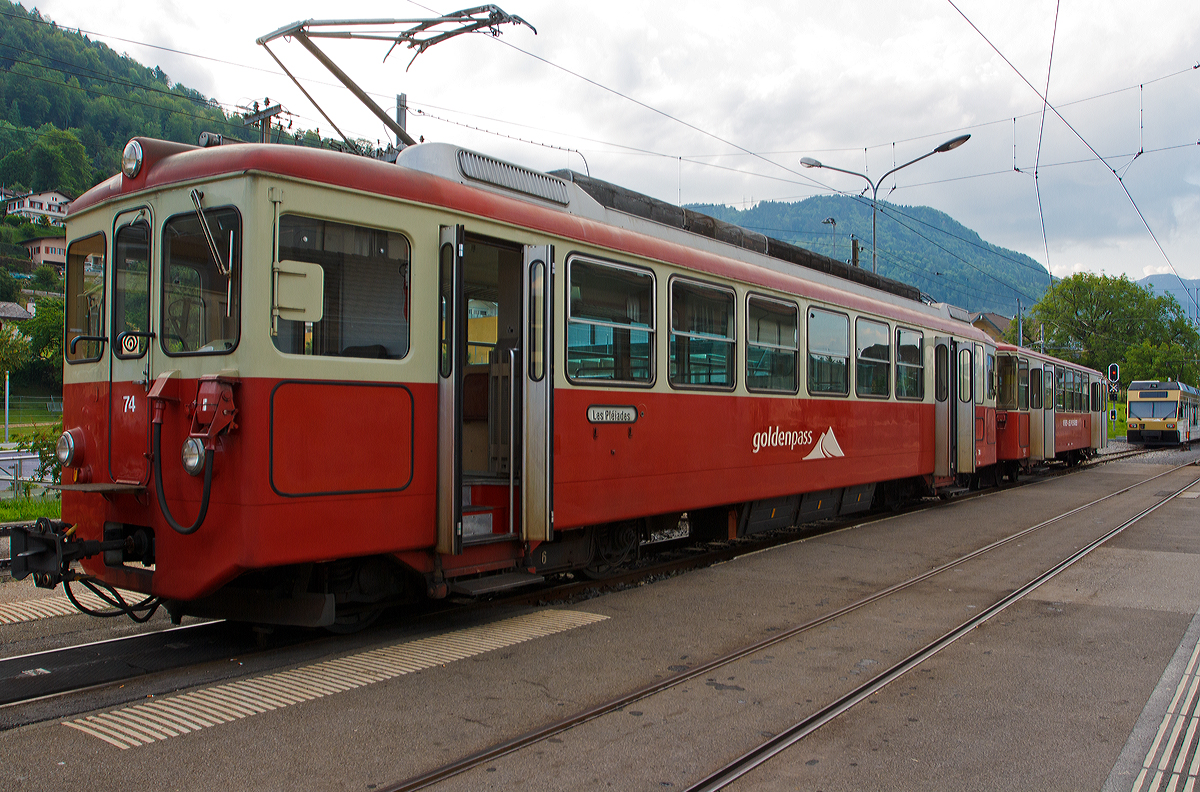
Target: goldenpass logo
(777,437)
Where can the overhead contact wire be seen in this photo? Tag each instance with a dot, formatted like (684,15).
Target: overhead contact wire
(1089,146)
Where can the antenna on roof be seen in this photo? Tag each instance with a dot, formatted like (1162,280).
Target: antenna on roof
(422,35)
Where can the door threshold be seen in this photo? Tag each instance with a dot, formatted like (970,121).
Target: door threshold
(472,541)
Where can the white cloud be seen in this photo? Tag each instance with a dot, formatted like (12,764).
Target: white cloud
(1067,270)
(863,86)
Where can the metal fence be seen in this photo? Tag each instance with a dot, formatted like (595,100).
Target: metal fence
(31,410)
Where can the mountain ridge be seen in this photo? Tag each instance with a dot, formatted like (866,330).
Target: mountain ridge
(917,245)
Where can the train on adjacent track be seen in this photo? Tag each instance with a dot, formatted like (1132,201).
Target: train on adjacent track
(301,384)
(1162,413)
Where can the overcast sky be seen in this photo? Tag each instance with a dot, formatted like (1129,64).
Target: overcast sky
(676,93)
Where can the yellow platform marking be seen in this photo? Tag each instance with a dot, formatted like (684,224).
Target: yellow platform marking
(1176,739)
(47,607)
(172,716)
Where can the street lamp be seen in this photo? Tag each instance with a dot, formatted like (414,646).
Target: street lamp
(949,145)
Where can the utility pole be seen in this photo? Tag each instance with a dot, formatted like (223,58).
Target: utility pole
(263,118)
(401,117)
(1020,325)
(853,250)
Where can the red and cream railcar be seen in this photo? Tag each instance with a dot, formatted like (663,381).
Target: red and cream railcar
(1047,409)
(300,383)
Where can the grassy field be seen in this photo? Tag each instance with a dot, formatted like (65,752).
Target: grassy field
(29,509)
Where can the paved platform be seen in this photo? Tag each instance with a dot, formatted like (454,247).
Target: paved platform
(1074,688)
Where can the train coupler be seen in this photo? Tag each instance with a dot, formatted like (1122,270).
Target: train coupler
(47,548)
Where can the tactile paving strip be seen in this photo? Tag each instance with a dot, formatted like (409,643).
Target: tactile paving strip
(32,610)
(1173,762)
(172,716)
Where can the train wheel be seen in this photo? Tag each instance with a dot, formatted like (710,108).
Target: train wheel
(613,546)
(353,618)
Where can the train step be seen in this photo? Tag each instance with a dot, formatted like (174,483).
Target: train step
(478,587)
(946,493)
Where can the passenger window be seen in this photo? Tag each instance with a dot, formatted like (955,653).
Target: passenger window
(702,335)
(910,364)
(537,310)
(772,343)
(1035,388)
(828,352)
(366,290)
(978,384)
(991,376)
(445,312)
(1007,375)
(86,260)
(1023,384)
(873,365)
(964,375)
(941,372)
(610,323)
(200,296)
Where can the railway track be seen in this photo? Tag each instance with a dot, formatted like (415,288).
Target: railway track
(788,737)
(158,656)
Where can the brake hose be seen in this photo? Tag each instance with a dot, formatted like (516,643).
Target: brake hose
(158,485)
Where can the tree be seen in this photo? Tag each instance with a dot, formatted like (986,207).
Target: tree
(1166,361)
(58,162)
(45,278)
(10,290)
(15,349)
(1095,320)
(45,331)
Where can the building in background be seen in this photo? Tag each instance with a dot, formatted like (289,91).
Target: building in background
(993,324)
(51,204)
(12,312)
(50,250)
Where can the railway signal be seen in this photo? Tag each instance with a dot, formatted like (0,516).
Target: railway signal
(1114,372)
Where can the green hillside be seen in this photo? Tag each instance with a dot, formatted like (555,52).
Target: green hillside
(69,104)
(917,245)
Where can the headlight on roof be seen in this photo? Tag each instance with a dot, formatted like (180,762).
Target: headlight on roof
(131,159)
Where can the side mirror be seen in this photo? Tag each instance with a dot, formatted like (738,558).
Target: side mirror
(299,291)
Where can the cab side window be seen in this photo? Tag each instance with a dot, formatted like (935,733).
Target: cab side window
(366,289)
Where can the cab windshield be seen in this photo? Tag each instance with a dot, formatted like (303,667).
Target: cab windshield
(1152,410)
